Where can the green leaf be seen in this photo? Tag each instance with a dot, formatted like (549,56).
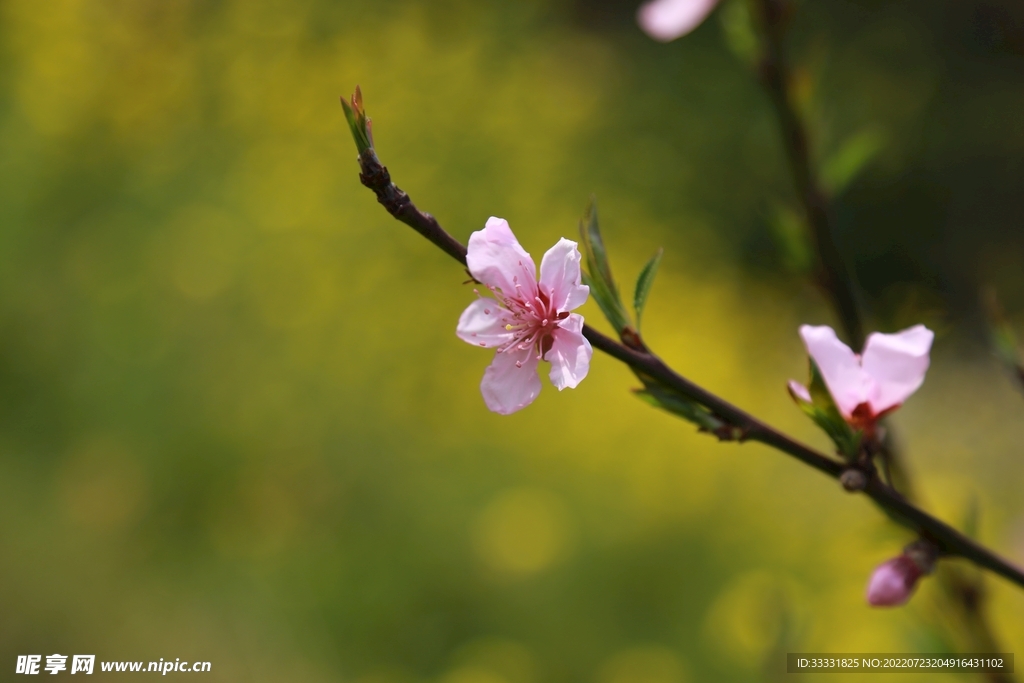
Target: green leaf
(738,27)
(823,411)
(644,283)
(1004,339)
(358,123)
(850,159)
(598,274)
(790,232)
(1006,343)
(681,406)
(606,302)
(597,257)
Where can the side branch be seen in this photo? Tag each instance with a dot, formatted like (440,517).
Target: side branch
(947,539)
(833,274)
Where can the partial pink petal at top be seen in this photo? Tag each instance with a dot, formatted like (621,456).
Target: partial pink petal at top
(840,367)
(560,276)
(897,363)
(507,387)
(570,353)
(483,324)
(667,20)
(495,258)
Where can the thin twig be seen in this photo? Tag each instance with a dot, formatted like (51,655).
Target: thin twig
(949,541)
(832,273)
(376,177)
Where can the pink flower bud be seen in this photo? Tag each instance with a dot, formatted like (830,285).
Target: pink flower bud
(893,582)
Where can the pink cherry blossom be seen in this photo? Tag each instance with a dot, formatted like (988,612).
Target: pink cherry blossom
(865,386)
(667,20)
(893,582)
(528,320)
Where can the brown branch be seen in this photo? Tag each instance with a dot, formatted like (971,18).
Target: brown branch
(949,541)
(376,177)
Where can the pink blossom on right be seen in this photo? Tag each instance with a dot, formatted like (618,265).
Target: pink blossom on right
(893,582)
(666,20)
(865,386)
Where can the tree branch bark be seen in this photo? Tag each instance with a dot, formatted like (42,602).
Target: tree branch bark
(948,540)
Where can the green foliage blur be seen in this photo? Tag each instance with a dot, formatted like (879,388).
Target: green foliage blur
(236,424)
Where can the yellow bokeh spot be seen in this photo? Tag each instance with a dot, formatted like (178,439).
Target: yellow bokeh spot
(472,674)
(646,664)
(387,675)
(748,618)
(510,660)
(101,485)
(522,531)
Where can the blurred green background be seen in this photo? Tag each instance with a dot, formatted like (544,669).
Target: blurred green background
(236,424)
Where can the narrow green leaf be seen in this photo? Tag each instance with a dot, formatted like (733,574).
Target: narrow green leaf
(358,123)
(850,159)
(599,270)
(597,257)
(681,406)
(740,33)
(1004,339)
(1006,343)
(606,302)
(644,283)
(790,231)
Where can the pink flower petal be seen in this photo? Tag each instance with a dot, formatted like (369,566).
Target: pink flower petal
(525,324)
(570,353)
(897,364)
(560,276)
(840,367)
(893,582)
(495,258)
(667,20)
(483,324)
(507,387)
(799,391)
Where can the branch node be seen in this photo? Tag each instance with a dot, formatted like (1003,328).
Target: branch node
(853,480)
(924,553)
